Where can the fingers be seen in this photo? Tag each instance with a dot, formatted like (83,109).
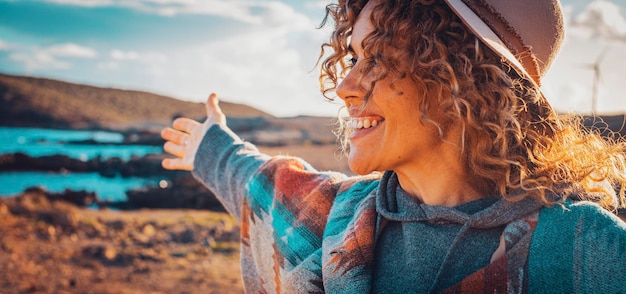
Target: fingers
(184,124)
(175,164)
(174,149)
(178,163)
(182,140)
(175,136)
(175,145)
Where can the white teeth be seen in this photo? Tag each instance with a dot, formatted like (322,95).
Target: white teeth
(362,123)
(353,124)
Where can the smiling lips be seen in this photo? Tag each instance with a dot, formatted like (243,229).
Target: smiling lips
(363,122)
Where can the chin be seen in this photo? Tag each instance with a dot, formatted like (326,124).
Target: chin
(359,165)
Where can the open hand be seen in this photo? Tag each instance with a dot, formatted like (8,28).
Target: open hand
(184,138)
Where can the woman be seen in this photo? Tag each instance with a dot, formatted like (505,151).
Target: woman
(482,182)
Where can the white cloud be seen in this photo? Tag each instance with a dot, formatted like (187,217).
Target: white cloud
(139,64)
(86,3)
(235,10)
(600,19)
(147,58)
(317,4)
(51,57)
(71,50)
(153,57)
(4,46)
(269,66)
(39,60)
(108,65)
(256,66)
(124,55)
(265,68)
(278,13)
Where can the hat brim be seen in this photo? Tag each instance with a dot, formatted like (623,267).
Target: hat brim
(487,35)
(483,32)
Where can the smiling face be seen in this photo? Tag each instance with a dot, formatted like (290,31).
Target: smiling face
(388,132)
(430,102)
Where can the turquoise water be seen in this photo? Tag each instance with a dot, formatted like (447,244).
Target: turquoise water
(41,142)
(113,189)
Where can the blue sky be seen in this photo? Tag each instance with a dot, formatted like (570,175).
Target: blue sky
(258,52)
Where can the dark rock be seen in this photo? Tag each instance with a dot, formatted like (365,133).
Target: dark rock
(56,163)
(143,137)
(111,167)
(99,252)
(182,192)
(116,225)
(184,235)
(148,166)
(35,204)
(79,198)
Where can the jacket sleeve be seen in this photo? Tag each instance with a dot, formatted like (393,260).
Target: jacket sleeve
(282,204)
(578,248)
(224,163)
(237,173)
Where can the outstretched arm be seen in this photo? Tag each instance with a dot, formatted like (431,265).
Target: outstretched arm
(244,179)
(215,155)
(184,138)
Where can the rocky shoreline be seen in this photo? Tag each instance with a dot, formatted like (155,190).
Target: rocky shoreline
(178,189)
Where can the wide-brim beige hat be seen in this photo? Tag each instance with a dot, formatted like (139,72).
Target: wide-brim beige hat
(527,33)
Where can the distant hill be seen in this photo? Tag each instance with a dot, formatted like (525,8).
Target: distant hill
(38,102)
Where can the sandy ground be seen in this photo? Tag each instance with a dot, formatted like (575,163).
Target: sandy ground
(58,248)
(55,247)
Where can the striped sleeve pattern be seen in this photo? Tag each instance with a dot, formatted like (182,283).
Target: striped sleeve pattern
(283,206)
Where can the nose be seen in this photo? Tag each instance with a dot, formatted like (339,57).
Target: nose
(349,89)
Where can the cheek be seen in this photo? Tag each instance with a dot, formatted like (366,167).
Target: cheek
(402,103)
(415,133)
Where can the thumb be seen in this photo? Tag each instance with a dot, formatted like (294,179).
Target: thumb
(213,109)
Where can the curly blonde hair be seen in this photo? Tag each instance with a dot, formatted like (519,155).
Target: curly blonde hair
(513,142)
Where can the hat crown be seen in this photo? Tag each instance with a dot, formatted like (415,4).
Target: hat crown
(531,29)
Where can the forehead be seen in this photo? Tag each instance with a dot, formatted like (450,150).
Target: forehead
(363,26)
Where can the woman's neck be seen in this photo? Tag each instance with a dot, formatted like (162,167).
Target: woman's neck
(439,182)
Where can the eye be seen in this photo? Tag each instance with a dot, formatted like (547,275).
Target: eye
(351,61)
